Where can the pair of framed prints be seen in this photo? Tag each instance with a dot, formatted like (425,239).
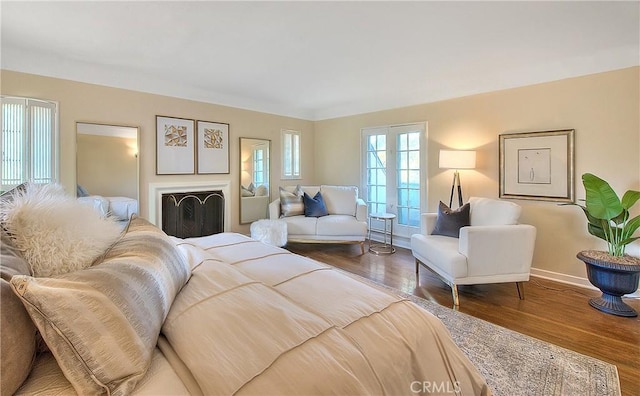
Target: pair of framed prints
(185,146)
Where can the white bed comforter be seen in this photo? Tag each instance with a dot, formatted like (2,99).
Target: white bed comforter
(256,319)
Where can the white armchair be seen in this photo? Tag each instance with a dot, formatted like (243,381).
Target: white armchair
(493,249)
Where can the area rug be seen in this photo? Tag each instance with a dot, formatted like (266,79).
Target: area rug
(516,364)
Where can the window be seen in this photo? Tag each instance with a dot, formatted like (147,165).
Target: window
(29,142)
(260,164)
(393,173)
(290,154)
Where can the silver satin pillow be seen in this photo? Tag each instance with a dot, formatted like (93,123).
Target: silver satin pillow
(102,323)
(291,203)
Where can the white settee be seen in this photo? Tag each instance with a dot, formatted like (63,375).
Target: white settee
(346,222)
(494,248)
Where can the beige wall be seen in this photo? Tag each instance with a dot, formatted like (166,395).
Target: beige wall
(107,165)
(604,110)
(114,106)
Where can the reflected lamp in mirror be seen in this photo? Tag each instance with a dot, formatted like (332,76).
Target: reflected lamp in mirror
(457,159)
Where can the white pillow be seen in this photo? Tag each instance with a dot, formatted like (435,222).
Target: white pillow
(340,200)
(261,190)
(56,233)
(487,211)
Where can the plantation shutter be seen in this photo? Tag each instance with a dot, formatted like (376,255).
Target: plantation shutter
(29,142)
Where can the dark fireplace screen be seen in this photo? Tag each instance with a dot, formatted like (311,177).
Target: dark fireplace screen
(193,214)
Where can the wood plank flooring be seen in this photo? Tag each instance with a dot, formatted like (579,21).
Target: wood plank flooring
(554,312)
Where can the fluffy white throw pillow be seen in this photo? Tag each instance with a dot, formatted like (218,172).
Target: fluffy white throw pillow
(55,233)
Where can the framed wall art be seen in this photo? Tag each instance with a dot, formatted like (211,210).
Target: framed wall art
(175,146)
(537,165)
(213,147)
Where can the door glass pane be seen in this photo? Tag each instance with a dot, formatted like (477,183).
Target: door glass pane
(408,172)
(402,142)
(397,192)
(376,173)
(414,218)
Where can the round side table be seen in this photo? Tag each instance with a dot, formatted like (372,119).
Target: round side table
(386,246)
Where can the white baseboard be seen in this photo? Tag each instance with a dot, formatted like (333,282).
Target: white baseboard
(572,280)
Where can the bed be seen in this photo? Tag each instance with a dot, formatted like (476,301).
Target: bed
(217,315)
(120,207)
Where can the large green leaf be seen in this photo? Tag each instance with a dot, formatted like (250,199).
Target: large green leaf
(602,201)
(632,225)
(594,226)
(621,218)
(596,230)
(630,198)
(628,241)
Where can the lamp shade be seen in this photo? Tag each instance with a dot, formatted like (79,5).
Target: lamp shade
(457,159)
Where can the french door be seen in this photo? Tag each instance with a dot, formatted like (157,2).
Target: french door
(393,177)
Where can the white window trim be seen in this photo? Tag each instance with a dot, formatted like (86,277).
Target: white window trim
(292,165)
(56,132)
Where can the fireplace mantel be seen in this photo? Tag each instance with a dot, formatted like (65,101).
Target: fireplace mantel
(157,189)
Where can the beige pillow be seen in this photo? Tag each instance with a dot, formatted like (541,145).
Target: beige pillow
(18,345)
(487,211)
(341,200)
(54,231)
(102,323)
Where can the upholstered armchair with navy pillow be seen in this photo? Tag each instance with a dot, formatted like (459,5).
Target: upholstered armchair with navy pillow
(491,247)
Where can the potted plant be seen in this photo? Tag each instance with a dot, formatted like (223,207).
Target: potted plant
(608,218)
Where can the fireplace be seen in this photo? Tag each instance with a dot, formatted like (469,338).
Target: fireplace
(193,214)
(181,189)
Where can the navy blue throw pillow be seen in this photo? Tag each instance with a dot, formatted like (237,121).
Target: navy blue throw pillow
(314,207)
(450,221)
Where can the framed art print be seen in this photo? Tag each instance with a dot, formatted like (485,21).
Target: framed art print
(175,146)
(537,165)
(213,147)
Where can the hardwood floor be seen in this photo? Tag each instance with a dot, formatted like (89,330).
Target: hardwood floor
(554,312)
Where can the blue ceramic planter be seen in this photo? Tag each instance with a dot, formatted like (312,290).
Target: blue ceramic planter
(614,281)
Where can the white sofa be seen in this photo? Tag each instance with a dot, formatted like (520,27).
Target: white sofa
(493,249)
(346,222)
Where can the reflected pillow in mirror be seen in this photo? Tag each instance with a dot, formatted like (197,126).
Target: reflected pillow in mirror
(245,192)
(261,190)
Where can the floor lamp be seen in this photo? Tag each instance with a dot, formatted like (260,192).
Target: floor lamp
(457,159)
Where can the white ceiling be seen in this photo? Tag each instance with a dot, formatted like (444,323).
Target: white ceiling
(318,60)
